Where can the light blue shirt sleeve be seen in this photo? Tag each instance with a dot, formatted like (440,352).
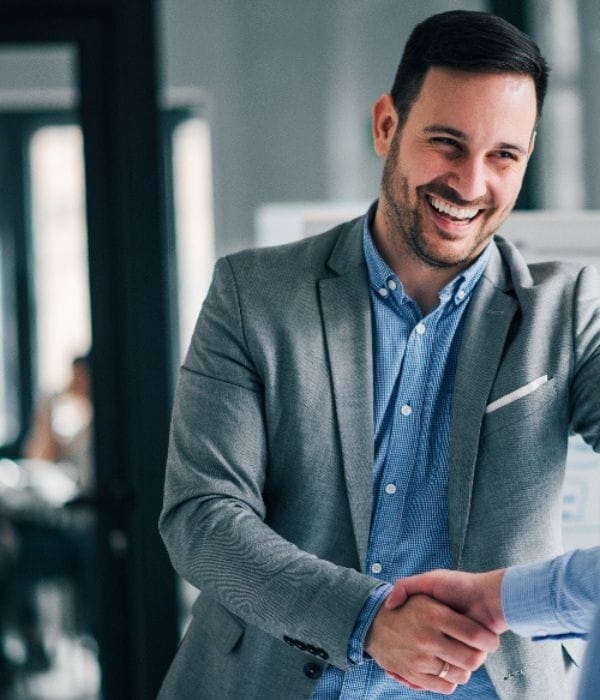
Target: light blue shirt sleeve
(356,645)
(558,598)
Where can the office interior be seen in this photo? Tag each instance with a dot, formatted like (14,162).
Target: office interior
(139,141)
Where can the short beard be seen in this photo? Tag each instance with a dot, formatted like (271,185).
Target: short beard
(405,222)
(406,227)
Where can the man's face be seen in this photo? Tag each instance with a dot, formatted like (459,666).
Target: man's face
(454,169)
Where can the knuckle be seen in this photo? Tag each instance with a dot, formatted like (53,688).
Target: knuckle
(472,635)
(427,645)
(474,659)
(424,641)
(421,662)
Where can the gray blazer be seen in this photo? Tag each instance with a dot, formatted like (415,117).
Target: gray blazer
(269,478)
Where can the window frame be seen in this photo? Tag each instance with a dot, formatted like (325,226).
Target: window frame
(20,360)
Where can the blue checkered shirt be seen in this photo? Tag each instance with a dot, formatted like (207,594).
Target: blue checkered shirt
(415,360)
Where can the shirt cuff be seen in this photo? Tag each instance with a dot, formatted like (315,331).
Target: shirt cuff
(529,601)
(356,645)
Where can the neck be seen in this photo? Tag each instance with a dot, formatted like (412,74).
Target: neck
(421,282)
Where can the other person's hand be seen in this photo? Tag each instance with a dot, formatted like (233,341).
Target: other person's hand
(476,595)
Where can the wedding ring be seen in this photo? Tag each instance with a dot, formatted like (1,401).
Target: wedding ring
(444,672)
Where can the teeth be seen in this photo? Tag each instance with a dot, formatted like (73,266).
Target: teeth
(454,212)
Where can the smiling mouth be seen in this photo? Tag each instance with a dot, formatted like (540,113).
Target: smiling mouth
(451,212)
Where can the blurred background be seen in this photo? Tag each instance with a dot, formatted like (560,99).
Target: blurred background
(139,141)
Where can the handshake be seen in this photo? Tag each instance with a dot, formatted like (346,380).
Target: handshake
(436,628)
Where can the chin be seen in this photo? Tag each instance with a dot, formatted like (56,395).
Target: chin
(445,255)
(445,252)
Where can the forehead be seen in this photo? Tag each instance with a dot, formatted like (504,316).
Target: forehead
(501,106)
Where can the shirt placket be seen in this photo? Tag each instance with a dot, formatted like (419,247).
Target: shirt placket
(404,455)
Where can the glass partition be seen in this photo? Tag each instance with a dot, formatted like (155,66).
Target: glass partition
(48,645)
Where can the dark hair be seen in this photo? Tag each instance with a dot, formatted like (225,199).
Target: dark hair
(475,42)
(81,360)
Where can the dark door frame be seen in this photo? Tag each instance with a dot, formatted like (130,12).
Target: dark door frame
(129,292)
(517,12)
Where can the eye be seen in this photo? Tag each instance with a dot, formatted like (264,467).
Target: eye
(507,155)
(445,141)
(447,146)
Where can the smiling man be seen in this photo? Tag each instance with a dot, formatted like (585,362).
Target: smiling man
(454,167)
(390,397)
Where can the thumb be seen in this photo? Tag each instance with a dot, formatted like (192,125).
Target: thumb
(411,585)
(397,597)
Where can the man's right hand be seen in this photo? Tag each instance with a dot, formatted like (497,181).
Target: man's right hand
(414,642)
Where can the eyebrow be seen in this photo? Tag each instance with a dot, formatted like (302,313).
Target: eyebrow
(443,129)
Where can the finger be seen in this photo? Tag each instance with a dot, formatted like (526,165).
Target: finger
(469,632)
(453,674)
(429,682)
(401,679)
(420,583)
(436,685)
(456,654)
(397,597)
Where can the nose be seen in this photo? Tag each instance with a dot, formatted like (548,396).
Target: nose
(469,179)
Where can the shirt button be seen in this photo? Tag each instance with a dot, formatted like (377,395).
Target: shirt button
(460,294)
(392,285)
(390,488)
(383,292)
(376,568)
(406,410)
(420,328)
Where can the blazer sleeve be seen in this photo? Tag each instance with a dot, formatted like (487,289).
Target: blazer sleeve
(585,386)
(213,519)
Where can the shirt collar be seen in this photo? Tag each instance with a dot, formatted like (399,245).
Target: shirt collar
(383,280)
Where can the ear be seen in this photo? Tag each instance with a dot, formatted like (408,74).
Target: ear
(384,123)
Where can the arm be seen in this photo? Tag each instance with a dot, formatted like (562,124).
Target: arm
(556,597)
(584,408)
(214,516)
(213,519)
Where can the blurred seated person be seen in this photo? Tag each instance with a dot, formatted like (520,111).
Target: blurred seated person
(55,542)
(61,430)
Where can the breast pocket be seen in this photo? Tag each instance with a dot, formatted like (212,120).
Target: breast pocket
(519,404)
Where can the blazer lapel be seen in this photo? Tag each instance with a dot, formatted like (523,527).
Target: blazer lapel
(484,335)
(346,311)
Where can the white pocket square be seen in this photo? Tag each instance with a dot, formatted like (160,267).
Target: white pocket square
(516,394)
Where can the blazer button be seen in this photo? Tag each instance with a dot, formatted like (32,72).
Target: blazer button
(313,670)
